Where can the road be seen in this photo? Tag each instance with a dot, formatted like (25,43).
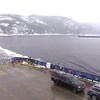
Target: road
(21,83)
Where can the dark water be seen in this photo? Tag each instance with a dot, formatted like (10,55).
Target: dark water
(73,52)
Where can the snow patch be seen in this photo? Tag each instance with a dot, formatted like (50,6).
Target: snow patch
(5,18)
(33,34)
(17,22)
(11,54)
(25,18)
(38,21)
(2,34)
(4,24)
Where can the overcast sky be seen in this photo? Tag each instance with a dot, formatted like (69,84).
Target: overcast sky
(79,10)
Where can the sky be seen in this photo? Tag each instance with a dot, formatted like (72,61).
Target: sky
(79,10)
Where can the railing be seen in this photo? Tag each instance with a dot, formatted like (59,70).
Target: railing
(65,69)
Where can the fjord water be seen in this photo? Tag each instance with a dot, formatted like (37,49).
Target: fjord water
(69,51)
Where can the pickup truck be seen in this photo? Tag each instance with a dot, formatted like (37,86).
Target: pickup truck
(67,80)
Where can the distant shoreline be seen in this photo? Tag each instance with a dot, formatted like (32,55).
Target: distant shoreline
(55,34)
(36,34)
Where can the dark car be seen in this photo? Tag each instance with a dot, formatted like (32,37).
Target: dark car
(94,92)
(68,80)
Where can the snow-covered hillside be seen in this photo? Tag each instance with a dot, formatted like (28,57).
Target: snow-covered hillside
(35,24)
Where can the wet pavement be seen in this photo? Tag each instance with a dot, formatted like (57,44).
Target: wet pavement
(21,83)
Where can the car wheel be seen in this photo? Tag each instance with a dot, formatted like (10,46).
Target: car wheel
(93,97)
(56,83)
(74,90)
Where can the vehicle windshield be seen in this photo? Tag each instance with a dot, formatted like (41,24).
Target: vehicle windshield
(73,79)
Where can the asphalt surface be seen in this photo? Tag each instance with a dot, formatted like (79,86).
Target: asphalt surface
(21,83)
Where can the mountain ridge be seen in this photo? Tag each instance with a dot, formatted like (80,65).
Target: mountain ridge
(36,24)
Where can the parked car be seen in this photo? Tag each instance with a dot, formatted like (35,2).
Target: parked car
(94,92)
(68,80)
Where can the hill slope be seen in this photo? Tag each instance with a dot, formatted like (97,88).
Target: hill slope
(17,24)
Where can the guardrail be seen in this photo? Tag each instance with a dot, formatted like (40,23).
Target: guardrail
(53,66)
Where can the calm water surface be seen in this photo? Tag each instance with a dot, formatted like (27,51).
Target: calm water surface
(73,52)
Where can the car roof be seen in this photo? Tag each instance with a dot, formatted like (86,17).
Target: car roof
(96,85)
(63,73)
(68,75)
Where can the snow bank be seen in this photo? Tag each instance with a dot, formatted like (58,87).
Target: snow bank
(11,54)
(21,34)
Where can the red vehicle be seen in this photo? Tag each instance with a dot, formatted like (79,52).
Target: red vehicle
(94,92)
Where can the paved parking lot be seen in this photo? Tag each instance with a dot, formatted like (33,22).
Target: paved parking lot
(21,83)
